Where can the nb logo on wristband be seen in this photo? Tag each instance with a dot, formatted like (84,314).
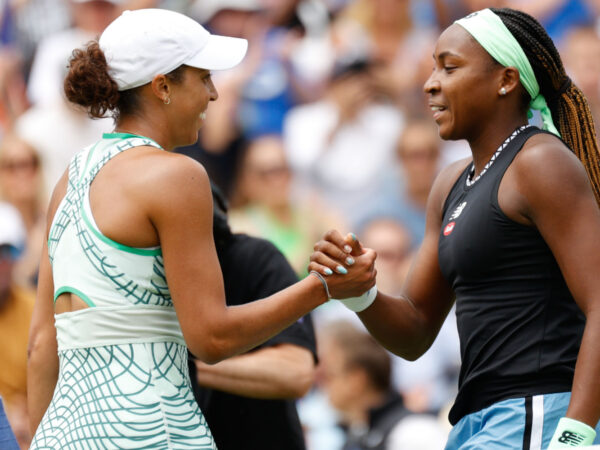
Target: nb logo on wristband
(571,438)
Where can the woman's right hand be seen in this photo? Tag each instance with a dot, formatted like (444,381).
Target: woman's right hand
(347,267)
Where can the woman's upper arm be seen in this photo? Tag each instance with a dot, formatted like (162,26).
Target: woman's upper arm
(408,325)
(43,311)
(560,203)
(42,365)
(181,211)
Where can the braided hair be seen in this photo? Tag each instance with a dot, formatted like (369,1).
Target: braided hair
(567,103)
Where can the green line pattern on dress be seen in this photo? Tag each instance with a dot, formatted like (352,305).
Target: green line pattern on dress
(64,218)
(124,396)
(115,244)
(123,283)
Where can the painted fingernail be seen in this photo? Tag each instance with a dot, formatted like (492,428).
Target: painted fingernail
(347,249)
(341,269)
(353,236)
(327,271)
(349,260)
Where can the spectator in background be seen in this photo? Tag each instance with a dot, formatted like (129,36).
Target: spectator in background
(54,127)
(385,30)
(271,90)
(50,63)
(357,380)
(342,147)
(7,437)
(264,208)
(16,307)
(221,142)
(406,192)
(21,184)
(580,51)
(556,16)
(393,243)
(13,97)
(249,400)
(58,131)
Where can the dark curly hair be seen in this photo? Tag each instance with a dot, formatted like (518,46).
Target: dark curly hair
(89,84)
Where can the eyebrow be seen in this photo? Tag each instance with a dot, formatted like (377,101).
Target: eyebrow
(444,54)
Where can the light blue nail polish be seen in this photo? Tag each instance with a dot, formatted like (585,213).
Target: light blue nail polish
(347,249)
(328,271)
(341,269)
(349,260)
(353,236)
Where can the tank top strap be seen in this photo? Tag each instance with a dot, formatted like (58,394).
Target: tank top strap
(111,144)
(83,168)
(513,148)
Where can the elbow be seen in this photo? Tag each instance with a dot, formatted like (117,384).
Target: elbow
(303,381)
(298,376)
(39,343)
(297,383)
(414,351)
(206,355)
(210,350)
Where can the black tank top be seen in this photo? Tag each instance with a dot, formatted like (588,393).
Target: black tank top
(519,327)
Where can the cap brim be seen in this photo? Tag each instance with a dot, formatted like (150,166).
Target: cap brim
(220,53)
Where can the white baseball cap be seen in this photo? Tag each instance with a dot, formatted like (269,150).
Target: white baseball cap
(140,44)
(12,230)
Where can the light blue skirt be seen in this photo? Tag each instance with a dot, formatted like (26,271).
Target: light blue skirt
(526,423)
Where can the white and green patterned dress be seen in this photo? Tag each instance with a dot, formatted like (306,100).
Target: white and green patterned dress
(123,379)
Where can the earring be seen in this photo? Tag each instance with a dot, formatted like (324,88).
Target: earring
(502,91)
(167,101)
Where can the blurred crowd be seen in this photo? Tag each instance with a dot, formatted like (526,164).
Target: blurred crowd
(324,125)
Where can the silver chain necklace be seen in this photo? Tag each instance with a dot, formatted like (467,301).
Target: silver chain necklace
(469,180)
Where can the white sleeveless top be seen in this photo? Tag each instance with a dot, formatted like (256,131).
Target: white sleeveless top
(125,287)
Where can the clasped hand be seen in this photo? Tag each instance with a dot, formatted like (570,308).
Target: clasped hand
(348,267)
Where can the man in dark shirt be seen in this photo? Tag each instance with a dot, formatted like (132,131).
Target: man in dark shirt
(249,400)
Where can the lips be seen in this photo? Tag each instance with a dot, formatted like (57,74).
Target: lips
(437,109)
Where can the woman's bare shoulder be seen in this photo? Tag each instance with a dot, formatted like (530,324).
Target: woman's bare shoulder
(548,174)
(168,180)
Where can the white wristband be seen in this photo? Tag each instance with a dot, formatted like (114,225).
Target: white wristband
(358,304)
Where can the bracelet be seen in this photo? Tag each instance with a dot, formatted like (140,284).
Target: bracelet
(572,433)
(320,277)
(358,304)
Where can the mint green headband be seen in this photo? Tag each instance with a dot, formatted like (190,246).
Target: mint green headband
(489,30)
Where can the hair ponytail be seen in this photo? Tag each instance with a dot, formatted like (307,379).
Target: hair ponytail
(88,83)
(567,103)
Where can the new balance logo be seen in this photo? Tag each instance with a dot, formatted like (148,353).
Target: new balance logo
(570,438)
(458,211)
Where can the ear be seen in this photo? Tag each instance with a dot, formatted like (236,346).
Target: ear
(509,80)
(161,87)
